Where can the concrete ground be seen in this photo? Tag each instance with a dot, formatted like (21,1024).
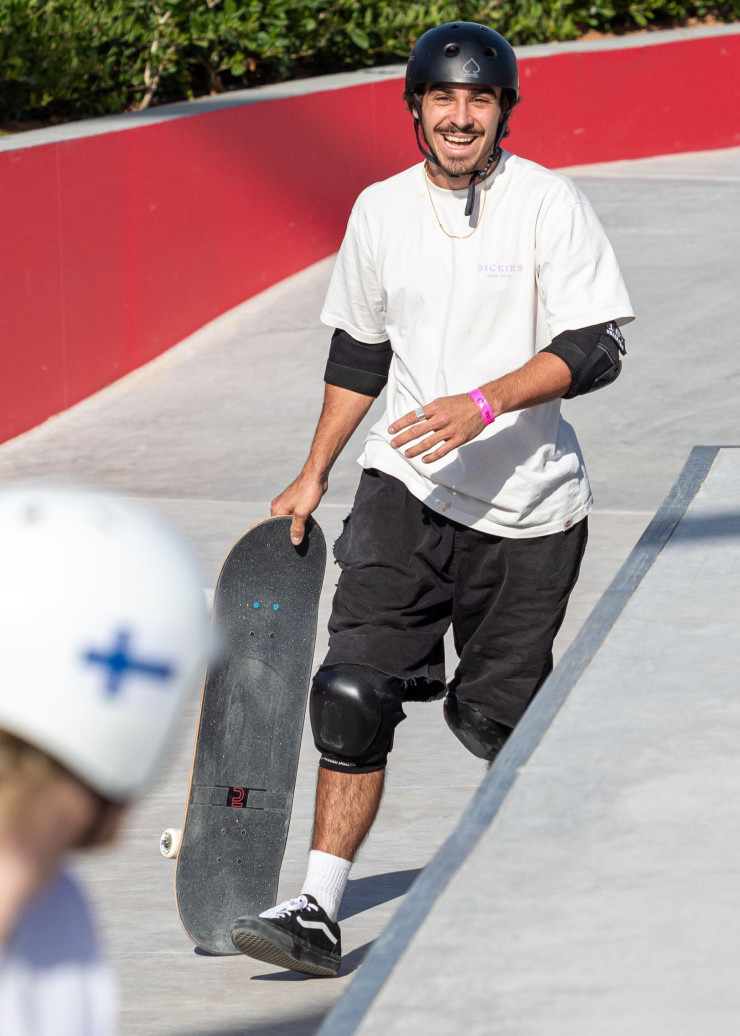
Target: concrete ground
(212,431)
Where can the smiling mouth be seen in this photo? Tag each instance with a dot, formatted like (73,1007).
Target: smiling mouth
(460,143)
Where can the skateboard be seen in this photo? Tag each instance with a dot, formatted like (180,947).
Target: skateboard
(231,845)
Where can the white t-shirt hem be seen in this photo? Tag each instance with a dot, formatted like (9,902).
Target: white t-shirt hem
(459,507)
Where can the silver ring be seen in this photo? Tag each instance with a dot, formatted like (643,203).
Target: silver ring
(419,413)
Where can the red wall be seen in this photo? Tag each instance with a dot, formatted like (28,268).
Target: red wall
(115,247)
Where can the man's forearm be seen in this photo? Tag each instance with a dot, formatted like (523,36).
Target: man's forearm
(341,414)
(451,421)
(543,378)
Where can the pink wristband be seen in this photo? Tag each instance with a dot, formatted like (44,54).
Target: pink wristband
(483,405)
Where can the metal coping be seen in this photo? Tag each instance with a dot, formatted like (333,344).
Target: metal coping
(340,81)
(350,1010)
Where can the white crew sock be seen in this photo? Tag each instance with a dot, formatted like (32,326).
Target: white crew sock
(326,880)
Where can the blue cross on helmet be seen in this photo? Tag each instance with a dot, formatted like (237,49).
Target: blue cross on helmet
(465,53)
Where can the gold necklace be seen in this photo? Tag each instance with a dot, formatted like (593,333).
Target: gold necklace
(457,237)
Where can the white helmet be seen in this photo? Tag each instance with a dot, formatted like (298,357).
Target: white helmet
(103,630)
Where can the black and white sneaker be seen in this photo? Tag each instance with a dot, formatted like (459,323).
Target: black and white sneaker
(296,934)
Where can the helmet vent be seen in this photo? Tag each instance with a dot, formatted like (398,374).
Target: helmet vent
(490,52)
(451,50)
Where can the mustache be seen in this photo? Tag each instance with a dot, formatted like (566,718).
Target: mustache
(452,130)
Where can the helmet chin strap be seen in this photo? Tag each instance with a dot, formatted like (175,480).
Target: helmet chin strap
(478,175)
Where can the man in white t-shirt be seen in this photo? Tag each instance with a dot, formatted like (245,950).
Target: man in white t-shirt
(481,289)
(103,631)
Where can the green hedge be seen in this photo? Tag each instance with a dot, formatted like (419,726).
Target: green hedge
(65,59)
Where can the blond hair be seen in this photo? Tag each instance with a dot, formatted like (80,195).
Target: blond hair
(24,770)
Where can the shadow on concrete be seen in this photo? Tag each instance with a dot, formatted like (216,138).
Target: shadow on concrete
(301,1025)
(364,893)
(350,962)
(709,527)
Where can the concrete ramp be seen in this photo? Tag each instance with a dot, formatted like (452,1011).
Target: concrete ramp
(593,884)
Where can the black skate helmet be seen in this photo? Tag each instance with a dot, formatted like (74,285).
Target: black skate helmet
(462,52)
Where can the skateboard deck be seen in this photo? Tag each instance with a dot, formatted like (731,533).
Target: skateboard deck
(265,611)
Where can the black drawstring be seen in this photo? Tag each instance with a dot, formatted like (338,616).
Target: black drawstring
(471,195)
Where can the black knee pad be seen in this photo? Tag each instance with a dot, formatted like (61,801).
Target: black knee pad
(353,717)
(482,736)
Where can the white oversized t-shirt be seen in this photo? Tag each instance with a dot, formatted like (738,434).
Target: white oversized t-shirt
(53,978)
(462,312)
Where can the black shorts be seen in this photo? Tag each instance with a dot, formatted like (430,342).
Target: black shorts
(408,573)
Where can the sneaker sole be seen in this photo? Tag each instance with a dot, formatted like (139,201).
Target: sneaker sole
(254,944)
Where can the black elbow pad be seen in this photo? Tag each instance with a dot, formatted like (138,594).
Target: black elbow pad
(592,354)
(356,365)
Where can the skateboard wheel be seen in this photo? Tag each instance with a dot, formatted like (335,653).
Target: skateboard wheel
(169,843)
